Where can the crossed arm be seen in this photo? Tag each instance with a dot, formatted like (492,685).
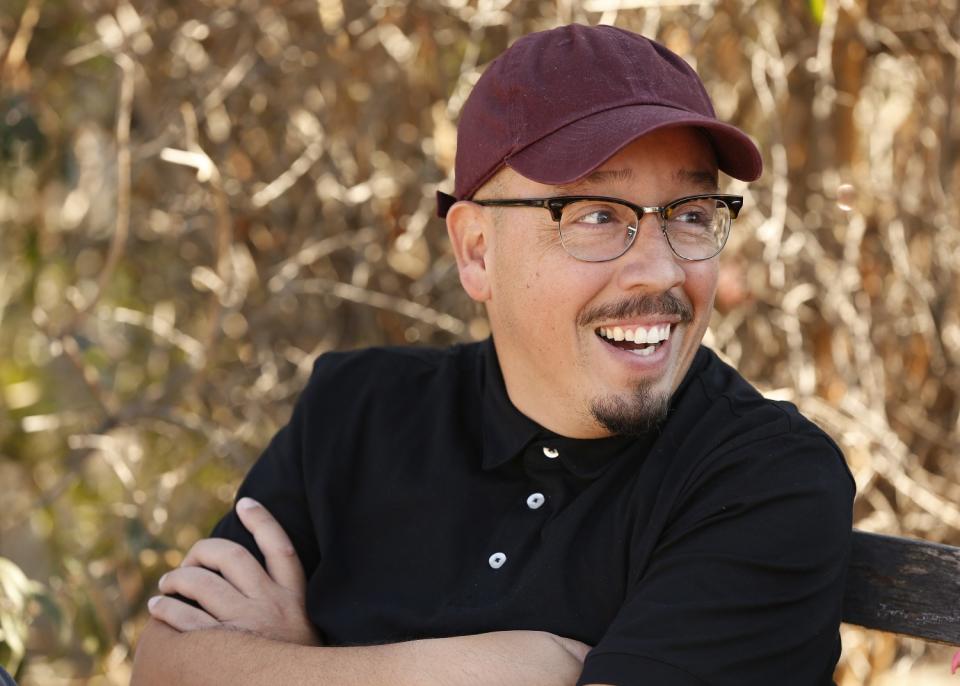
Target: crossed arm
(252,627)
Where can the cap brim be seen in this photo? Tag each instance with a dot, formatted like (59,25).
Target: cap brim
(578,148)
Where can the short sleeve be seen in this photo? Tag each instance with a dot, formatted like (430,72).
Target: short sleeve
(277,479)
(745,584)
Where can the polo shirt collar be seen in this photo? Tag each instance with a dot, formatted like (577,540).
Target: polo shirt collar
(506,431)
(589,458)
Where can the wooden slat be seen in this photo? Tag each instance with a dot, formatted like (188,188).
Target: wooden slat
(904,586)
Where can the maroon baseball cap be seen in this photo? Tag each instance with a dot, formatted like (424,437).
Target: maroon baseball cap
(558,104)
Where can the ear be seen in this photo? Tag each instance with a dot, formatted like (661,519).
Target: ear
(469,228)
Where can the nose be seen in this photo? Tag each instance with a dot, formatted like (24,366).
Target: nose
(649,264)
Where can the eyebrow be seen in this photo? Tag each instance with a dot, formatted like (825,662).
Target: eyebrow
(698,178)
(598,177)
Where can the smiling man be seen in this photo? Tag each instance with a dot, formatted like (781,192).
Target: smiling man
(591,496)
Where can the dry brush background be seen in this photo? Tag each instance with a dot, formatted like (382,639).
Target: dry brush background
(197,198)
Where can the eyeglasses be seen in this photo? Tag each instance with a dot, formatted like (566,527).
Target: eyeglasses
(595,228)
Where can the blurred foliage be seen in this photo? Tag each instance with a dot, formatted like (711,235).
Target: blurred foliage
(16,591)
(197,198)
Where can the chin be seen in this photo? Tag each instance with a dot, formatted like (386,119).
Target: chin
(633,413)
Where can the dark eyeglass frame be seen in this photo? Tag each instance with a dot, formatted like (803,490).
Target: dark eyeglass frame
(556,205)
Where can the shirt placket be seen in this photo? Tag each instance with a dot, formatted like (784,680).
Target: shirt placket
(511,553)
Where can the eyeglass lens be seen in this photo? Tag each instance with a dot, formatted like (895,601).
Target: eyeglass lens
(603,230)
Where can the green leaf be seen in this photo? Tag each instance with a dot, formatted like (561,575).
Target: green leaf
(816,10)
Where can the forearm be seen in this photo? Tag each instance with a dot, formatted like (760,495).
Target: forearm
(251,628)
(233,658)
(216,656)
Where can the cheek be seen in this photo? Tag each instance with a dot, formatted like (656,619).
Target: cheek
(701,284)
(517,292)
(536,285)
(701,288)
(523,271)
(545,298)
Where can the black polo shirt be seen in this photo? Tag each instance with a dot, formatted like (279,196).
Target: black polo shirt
(423,504)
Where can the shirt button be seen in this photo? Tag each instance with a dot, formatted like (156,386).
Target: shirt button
(535,500)
(497,559)
(551,452)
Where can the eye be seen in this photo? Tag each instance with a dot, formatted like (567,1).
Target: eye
(699,213)
(595,215)
(691,217)
(602,216)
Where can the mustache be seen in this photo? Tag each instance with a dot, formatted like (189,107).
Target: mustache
(637,306)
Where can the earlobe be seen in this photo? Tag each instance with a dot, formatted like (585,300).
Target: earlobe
(468,227)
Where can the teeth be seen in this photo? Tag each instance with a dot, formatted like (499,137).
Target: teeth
(643,352)
(640,334)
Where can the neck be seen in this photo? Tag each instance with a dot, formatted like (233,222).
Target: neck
(551,409)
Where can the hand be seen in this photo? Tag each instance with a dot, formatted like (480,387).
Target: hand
(270,603)
(955,662)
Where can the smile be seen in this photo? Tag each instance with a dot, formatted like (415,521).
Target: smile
(639,340)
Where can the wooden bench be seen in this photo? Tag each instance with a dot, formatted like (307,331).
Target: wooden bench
(904,586)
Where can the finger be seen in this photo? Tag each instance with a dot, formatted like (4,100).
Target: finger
(179,615)
(281,557)
(234,562)
(215,594)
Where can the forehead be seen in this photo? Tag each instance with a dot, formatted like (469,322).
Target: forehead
(611,174)
(681,155)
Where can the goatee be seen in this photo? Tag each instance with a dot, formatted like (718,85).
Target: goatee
(632,416)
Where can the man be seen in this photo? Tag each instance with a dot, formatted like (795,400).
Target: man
(590,497)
